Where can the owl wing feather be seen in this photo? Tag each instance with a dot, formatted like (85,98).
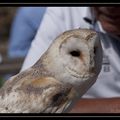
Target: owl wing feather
(45,94)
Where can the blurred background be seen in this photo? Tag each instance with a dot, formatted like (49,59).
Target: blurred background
(7,65)
(18,27)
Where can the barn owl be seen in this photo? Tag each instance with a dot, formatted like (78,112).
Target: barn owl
(68,68)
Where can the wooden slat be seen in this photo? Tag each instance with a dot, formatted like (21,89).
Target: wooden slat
(6,60)
(10,65)
(8,68)
(3,48)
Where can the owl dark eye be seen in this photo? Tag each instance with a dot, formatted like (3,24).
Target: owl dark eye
(75,53)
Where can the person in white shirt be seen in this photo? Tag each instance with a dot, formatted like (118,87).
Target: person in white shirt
(106,90)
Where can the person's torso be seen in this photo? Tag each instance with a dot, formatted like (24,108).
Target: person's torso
(108,82)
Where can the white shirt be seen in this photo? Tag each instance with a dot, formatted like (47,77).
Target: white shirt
(59,19)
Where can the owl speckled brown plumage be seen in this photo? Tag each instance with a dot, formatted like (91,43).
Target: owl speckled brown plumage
(64,73)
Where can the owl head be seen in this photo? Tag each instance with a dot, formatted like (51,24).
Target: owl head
(75,57)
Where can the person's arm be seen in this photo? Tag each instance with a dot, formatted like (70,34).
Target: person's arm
(23,30)
(52,25)
(97,105)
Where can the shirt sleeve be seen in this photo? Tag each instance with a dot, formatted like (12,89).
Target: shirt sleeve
(23,30)
(52,25)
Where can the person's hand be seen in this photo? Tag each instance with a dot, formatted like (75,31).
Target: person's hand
(109,18)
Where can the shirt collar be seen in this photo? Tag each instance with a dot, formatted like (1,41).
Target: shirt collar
(87,15)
